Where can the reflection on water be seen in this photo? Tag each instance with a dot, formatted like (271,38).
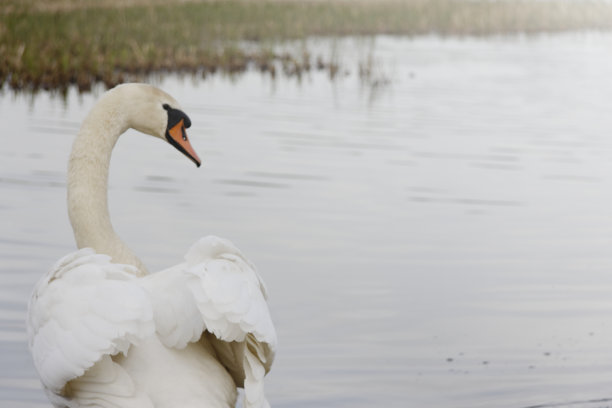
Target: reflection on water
(444,244)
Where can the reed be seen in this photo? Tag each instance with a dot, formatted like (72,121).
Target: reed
(51,44)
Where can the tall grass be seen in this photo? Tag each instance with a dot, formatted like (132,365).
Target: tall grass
(52,44)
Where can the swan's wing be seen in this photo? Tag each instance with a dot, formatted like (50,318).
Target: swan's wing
(219,291)
(84,309)
(228,291)
(231,297)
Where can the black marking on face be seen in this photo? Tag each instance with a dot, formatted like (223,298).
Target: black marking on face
(175,116)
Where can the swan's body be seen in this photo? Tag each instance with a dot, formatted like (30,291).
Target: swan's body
(104,333)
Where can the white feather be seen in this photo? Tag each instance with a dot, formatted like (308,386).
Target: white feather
(81,312)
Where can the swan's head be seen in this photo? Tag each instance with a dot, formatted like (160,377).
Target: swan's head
(152,111)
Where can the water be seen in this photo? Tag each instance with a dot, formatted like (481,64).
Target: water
(443,241)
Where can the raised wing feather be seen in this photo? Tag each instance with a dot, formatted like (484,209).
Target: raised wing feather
(228,291)
(218,290)
(84,309)
(231,297)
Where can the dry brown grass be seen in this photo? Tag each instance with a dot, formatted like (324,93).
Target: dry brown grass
(51,44)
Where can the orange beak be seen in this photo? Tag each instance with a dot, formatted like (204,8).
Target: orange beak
(177,136)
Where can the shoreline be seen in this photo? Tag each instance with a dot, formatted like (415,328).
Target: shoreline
(56,44)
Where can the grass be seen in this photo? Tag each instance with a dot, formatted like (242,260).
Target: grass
(51,44)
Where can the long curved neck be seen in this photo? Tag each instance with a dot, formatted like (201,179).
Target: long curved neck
(88,183)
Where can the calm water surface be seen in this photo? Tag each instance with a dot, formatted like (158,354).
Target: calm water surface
(442,242)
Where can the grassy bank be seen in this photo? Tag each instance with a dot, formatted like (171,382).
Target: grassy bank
(50,44)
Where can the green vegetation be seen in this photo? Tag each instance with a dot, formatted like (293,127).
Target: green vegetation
(50,44)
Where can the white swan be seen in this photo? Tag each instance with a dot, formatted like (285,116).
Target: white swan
(105,333)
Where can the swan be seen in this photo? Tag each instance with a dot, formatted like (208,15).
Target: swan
(103,332)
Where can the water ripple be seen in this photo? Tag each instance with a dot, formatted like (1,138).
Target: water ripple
(251,183)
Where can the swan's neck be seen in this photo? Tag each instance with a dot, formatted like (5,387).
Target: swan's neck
(88,183)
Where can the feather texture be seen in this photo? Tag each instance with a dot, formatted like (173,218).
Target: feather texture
(85,308)
(88,309)
(218,290)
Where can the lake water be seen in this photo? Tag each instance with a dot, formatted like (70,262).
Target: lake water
(443,241)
